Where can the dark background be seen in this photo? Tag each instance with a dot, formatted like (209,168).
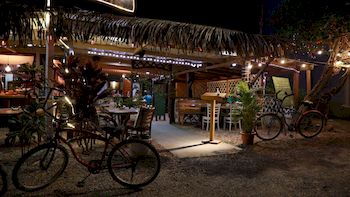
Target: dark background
(231,14)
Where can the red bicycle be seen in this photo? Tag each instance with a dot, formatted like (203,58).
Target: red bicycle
(132,163)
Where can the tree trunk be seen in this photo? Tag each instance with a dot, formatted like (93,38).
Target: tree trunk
(327,73)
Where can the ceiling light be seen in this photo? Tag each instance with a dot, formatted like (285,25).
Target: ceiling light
(8,69)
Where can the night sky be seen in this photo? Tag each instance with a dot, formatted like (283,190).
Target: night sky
(230,14)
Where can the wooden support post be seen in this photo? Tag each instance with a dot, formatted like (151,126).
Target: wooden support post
(37,58)
(308,81)
(171,101)
(212,125)
(212,120)
(296,87)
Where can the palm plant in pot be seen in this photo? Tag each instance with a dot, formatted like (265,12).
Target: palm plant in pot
(250,108)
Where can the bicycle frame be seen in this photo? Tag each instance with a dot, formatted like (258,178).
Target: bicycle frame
(85,134)
(296,115)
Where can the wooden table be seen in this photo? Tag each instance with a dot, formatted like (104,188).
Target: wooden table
(6,113)
(8,100)
(9,112)
(121,116)
(189,110)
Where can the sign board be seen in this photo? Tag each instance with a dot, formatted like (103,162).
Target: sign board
(282,84)
(209,96)
(124,5)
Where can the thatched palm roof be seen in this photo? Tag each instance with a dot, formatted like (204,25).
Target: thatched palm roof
(83,25)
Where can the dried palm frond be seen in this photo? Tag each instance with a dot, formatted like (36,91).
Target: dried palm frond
(84,25)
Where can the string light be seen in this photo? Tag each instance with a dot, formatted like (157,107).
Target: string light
(250,66)
(151,58)
(283,61)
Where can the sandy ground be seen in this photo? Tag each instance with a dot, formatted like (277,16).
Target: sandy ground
(282,167)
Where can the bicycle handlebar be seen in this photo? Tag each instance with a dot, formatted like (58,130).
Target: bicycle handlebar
(285,93)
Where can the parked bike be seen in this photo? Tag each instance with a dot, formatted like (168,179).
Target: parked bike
(132,163)
(308,123)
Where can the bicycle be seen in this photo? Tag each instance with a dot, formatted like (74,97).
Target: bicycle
(132,163)
(308,124)
(3,181)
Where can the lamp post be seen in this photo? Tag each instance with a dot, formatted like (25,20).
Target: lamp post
(48,46)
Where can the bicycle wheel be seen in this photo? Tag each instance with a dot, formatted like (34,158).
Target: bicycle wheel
(3,182)
(310,123)
(134,163)
(268,126)
(40,167)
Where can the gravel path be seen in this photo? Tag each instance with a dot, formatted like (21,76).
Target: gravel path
(282,167)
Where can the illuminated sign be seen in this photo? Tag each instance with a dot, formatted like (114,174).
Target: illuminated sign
(125,5)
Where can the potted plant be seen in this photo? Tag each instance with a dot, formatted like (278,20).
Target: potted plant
(250,108)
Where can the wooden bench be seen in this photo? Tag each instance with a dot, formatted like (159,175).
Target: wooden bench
(190,107)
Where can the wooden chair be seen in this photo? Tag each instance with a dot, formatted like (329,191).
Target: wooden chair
(233,118)
(206,119)
(143,122)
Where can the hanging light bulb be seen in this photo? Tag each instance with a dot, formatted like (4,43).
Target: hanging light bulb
(250,66)
(8,69)
(283,61)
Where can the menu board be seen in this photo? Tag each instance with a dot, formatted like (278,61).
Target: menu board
(282,84)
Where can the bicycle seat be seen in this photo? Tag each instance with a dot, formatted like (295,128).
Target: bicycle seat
(307,103)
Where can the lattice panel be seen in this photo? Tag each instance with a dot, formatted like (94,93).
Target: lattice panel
(258,83)
(213,85)
(232,84)
(199,88)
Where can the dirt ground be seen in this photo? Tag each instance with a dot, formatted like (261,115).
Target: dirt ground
(282,167)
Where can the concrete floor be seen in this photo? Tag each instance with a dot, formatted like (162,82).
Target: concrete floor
(186,143)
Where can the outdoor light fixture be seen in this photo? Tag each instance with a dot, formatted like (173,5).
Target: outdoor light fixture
(8,69)
(342,64)
(283,61)
(250,66)
(234,64)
